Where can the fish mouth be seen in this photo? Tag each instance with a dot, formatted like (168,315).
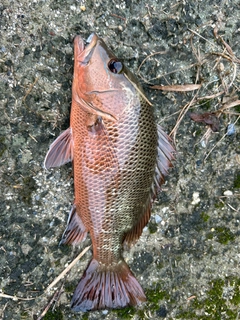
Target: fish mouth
(82,56)
(83,53)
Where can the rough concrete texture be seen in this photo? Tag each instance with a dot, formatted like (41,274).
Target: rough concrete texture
(187,259)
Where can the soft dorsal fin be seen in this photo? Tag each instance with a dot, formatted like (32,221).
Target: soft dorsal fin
(164,162)
(60,151)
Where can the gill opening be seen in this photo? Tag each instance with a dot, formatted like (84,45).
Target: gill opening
(102,91)
(91,109)
(138,90)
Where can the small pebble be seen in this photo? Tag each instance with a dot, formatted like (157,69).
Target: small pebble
(105,312)
(158,219)
(196,198)
(231,129)
(228,193)
(145,229)
(203,144)
(198,163)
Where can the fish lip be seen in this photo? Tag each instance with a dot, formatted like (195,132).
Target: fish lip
(83,53)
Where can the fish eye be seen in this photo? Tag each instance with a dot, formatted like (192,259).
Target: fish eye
(115,66)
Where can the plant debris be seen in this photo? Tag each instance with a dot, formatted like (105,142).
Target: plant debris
(178,88)
(208,118)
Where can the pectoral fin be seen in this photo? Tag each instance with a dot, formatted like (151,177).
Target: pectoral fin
(60,151)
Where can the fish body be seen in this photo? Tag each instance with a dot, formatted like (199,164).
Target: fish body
(120,157)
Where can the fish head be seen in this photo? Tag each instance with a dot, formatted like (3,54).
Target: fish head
(102,85)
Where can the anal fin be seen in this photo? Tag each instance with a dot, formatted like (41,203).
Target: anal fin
(75,231)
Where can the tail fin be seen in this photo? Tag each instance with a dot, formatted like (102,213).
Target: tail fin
(103,287)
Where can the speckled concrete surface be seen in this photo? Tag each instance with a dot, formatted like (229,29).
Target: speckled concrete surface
(187,259)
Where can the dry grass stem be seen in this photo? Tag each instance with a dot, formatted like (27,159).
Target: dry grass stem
(55,297)
(197,34)
(181,116)
(178,88)
(232,113)
(32,138)
(14,298)
(212,96)
(166,74)
(149,56)
(229,105)
(236,210)
(206,135)
(227,46)
(69,267)
(119,17)
(30,89)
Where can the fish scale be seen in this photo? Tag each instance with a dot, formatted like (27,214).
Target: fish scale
(120,157)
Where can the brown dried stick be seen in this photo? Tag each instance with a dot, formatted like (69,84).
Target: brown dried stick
(65,271)
(178,88)
(55,297)
(14,298)
(182,114)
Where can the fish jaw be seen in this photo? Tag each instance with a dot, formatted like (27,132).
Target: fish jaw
(78,47)
(82,53)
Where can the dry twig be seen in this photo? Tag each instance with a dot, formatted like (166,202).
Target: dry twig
(30,89)
(178,88)
(55,298)
(181,116)
(14,298)
(69,267)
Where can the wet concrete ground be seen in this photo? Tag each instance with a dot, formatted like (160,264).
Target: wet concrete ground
(187,259)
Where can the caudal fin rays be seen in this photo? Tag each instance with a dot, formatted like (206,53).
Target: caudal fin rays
(103,287)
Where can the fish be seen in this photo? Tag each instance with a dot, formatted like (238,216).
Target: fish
(120,159)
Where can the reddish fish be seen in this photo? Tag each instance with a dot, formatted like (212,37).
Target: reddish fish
(120,159)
